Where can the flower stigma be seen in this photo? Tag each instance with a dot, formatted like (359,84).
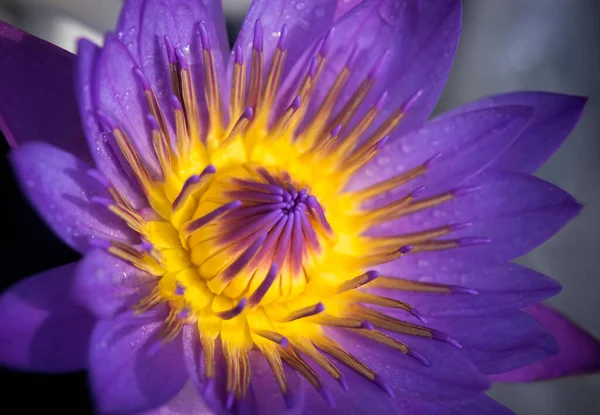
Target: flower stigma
(251,233)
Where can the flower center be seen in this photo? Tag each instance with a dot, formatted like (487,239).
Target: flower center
(247,229)
(248,232)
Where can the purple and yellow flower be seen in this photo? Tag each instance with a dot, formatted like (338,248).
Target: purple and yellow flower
(279,228)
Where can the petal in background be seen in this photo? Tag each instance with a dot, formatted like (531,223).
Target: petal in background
(450,374)
(554,117)
(134,27)
(131,371)
(37,100)
(117,95)
(306,21)
(41,328)
(461,146)
(579,351)
(106,285)
(516,211)
(264,395)
(179,20)
(499,287)
(344,6)
(98,141)
(406,45)
(500,342)
(59,186)
(187,402)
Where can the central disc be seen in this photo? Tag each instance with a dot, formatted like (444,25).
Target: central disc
(252,226)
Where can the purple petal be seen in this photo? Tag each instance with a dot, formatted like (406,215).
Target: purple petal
(98,141)
(59,186)
(463,145)
(501,342)
(450,375)
(344,6)
(554,118)
(500,287)
(194,362)
(267,396)
(106,285)
(144,23)
(187,402)
(305,20)
(41,328)
(117,94)
(129,372)
(420,39)
(264,395)
(579,352)
(179,20)
(36,93)
(362,397)
(516,211)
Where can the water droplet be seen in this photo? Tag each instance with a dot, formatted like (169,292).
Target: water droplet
(320,12)
(449,128)
(300,6)
(422,263)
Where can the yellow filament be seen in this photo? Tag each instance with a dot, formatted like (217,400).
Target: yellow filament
(256,79)
(273,78)
(389,323)
(384,339)
(367,298)
(352,139)
(353,283)
(156,111)
(353,104)
(294,360)
(315,129)
(190,103)
(302,313)
(389,184)
(238,91)
(269,335)
(332,348)
(436,246)
(391,242)
(273,357)
(133,159)
(212,91)
(163,151)
(384,130)
(423,204)
(375,216)
(408,285)
(309,350)
(183,138)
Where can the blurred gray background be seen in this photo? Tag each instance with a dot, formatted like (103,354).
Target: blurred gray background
(551,45)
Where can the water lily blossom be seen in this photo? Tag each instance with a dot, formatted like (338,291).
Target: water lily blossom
(281,227)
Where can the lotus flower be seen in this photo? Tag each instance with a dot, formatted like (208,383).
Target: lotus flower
(280,228)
